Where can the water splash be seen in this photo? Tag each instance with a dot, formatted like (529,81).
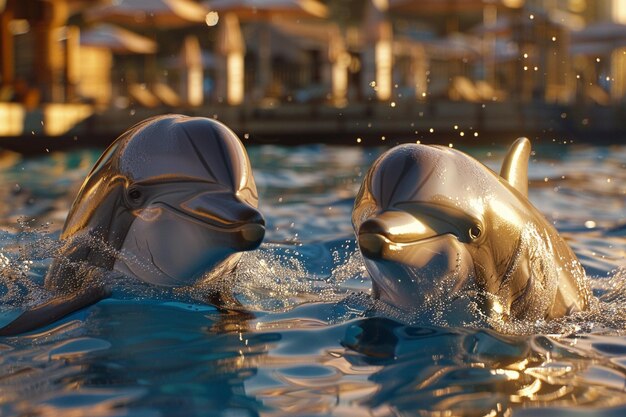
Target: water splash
(23,261)
(276,278)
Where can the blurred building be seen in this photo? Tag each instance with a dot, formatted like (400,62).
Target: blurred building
(71,58)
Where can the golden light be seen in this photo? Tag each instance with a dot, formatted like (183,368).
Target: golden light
(194,72)
(231,46)
(619,11)
(235,74)
(618,72)
(59,118)
(384,57)
(195,94)
(11,119)
(513,4)
(341,61)
(212,18)
(340,81)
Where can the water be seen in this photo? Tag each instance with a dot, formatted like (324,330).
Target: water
(314,343)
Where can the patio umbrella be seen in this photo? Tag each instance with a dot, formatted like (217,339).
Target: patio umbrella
(160,13)
(117,39)
(263,11)
(150,14)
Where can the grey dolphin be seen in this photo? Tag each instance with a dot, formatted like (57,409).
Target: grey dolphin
(171,202)
(434,223)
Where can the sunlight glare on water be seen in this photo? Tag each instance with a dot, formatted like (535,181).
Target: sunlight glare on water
(313,341)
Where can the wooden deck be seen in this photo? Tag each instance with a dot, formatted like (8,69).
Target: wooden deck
(364,123)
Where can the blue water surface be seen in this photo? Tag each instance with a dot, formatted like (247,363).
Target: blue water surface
(314,343)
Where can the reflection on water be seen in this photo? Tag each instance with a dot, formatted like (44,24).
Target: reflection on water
(315,343)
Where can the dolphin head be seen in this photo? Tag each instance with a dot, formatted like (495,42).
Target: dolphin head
(175,197)
(437,229)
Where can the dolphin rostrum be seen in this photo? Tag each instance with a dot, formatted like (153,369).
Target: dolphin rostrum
(435,225)
(171,202)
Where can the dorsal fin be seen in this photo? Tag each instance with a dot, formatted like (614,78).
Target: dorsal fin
(515,165)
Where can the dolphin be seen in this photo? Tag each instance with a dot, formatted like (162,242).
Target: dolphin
(172,202)
(436,227)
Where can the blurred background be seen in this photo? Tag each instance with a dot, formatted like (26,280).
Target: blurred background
(292,71)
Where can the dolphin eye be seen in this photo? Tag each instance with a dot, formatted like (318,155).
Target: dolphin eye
(474,232)
(134,194)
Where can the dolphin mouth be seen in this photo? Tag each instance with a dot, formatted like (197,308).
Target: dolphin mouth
(246,234)
(376,246)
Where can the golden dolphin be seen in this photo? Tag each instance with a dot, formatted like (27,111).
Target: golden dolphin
(436,226)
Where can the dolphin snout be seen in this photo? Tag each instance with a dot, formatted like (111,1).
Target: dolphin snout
(251,234)
(372,245)
(243,224)
(372,237)
(222,210)
(376,234)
